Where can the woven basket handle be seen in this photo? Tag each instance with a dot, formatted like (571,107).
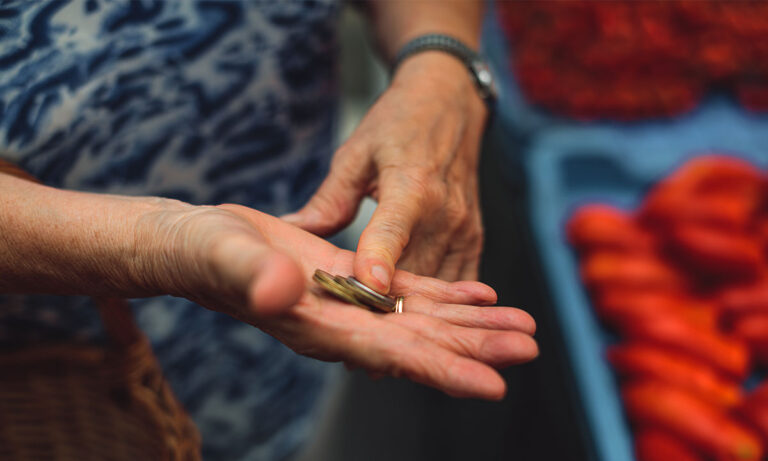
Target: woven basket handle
(116,314)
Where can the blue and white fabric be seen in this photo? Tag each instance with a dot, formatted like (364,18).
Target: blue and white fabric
(203,101)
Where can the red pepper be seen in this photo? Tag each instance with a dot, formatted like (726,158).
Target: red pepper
(754,410)
(703,426)
(603,227)
(653,444)
(743,299)
(725,354)
(714,190)
(602,270)
(638,361)
(752,329)
(668,205)
(753,95)
(619,307)
(715,253)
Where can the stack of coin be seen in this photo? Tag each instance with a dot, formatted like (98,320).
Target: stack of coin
(351,290)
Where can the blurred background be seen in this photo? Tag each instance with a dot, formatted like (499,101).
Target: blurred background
(624,199)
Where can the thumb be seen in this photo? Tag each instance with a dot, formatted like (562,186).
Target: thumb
(336,201)
(277,285)
(268,281)
(383,240)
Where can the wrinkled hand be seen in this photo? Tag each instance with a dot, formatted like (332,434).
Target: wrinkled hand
(415,152)
(255,267)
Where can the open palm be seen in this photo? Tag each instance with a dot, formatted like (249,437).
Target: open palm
(258,267)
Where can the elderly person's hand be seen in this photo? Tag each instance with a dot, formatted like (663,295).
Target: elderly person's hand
(416,153)
(254,266)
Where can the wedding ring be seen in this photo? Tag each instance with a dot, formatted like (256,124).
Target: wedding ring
(399,304)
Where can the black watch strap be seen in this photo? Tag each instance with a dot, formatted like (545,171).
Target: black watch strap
(474,63)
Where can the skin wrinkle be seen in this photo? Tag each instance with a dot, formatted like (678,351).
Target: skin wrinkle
(436,332)
(457,369)
(424,168)
(198,248)
(200,252)
(424,264)
(493,318)
(412,368)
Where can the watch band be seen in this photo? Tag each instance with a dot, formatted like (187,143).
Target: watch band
(474,63)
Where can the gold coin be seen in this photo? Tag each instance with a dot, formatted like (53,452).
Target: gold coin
(365,296)
(380,298)
(353,291)
(329,285)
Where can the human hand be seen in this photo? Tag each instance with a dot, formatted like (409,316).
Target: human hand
(416,153)
(254,267)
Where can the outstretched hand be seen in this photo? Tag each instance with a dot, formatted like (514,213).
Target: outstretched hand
(256,268)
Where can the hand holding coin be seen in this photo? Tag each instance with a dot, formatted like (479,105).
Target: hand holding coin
(447,336)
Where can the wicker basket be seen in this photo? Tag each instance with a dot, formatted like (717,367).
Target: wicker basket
(85,403)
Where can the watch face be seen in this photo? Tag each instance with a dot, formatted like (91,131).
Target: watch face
(484,78)
(484,75)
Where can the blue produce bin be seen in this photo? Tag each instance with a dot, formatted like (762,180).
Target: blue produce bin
(569,163)
(567,167)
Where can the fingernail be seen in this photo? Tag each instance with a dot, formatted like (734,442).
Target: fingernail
(293,218)
(381,274)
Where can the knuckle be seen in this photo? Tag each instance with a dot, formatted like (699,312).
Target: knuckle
(470,241)
(392,232)
(458,212)
(348,150)
(330,203)
(424,185)
(475,247)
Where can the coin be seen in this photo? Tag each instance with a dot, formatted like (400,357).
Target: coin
(399,305)
(362,295)
(380,298)
(329,284)
(353,291)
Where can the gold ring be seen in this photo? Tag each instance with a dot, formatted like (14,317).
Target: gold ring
(399,305)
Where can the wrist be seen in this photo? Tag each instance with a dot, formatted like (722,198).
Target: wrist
(437,75)
(73,243)
(158,263)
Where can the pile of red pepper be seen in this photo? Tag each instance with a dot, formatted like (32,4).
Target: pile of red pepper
(636,59)
(683,280)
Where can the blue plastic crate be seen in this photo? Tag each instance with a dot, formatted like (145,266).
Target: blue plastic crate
(570,166)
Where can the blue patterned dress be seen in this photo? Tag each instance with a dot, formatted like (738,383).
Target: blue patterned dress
(203,101)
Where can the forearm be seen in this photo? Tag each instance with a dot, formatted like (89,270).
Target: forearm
(398,21)
(63,242)
(434,74)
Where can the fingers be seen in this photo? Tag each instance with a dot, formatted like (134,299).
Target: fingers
(460,264)
(463,256)
(407,284)
(491,318)
(470,271)
(494,347)
(451,267)
(362,339)
(389,230)
(336,201)
(403,353)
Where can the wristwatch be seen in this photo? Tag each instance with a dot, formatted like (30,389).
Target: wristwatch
(476,65)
